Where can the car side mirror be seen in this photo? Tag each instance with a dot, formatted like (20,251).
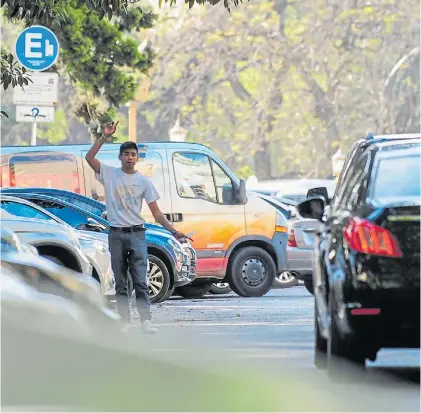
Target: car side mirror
(317,192)
(228,194)
(313,208)
(240,192)
(92,223)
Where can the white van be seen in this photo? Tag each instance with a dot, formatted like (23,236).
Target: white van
(238,236)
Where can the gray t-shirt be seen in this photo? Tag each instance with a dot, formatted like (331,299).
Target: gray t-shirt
(124,195)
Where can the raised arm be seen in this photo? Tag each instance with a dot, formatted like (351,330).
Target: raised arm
(90,156)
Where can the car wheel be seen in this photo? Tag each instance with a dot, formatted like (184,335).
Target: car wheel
(220,288)
(309,286)
(286,280)
(342,355)
(158,278)
(54,259)
(251,272)
(193,290)
(169,293)
(320,345)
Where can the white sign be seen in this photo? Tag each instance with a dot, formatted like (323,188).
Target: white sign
(40,114)
(43,91)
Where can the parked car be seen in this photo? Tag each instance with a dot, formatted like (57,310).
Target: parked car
(240,239)
(43,285)
(366,273)
(53,241)
(94,249)
(170,265)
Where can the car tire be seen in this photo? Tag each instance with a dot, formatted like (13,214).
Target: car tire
(54,259)
(158,278)
(220,288)
(320,345)
(309,286)
(246,266)
(193,290)
(286,280)
(342,355)
(169,293)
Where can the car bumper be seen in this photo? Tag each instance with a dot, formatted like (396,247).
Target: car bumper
(187,274)
(300,261)
(388,319)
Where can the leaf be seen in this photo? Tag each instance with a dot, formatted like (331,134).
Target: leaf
(10,58)
(4,114)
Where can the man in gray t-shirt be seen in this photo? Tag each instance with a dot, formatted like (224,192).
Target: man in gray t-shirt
(125,190)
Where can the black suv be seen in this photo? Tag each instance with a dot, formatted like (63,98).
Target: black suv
(366,274)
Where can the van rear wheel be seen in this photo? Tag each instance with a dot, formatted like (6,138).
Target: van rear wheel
(251,272)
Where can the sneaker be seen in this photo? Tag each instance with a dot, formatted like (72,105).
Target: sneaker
(148,328)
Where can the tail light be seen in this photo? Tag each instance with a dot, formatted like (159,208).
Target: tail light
(292,242)
(368,238)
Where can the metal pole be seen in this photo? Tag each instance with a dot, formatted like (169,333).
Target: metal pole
(132,121)
(34,133)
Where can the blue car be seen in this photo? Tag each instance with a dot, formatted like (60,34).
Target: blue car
(170,265)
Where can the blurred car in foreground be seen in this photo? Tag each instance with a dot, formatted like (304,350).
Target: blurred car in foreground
(367,255)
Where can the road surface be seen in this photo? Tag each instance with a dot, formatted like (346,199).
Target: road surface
(274,336)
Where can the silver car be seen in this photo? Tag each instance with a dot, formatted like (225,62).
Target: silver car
(300,250)
(53,241)
(92,246)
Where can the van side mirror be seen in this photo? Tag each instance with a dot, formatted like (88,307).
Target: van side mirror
(313,208)
(240,192)
(318,192)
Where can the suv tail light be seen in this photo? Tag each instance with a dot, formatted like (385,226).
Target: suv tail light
(292,242)
(368,238)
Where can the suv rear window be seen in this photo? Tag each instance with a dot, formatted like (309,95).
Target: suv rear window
(397,179)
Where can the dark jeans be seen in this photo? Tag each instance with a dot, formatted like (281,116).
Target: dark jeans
(129,253)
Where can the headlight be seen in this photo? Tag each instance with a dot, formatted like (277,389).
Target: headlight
(281,222)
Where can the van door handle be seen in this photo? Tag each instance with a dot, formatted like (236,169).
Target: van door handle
(177,217)
(169,217)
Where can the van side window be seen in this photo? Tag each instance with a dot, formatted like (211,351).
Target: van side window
(44,169)
(149,164)
(223,184)
(193,175)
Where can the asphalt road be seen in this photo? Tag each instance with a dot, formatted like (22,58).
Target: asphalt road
(273,335)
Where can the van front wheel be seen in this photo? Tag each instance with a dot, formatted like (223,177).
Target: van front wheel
(251,272)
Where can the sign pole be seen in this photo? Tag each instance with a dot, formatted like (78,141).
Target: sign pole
(34,133)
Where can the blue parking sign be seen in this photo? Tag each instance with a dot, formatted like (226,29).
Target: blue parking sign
(37,48)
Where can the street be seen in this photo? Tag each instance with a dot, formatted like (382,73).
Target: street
(274,334)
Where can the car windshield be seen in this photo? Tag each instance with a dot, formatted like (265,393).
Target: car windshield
(401,185)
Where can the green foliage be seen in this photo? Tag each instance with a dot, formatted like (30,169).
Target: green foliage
(102,61)
(278,85)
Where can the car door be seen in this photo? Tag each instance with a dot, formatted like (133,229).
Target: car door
(203,202)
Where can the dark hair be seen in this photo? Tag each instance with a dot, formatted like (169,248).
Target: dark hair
(128,145)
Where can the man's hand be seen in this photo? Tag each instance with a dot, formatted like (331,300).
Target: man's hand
(110,129)
(180,236)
